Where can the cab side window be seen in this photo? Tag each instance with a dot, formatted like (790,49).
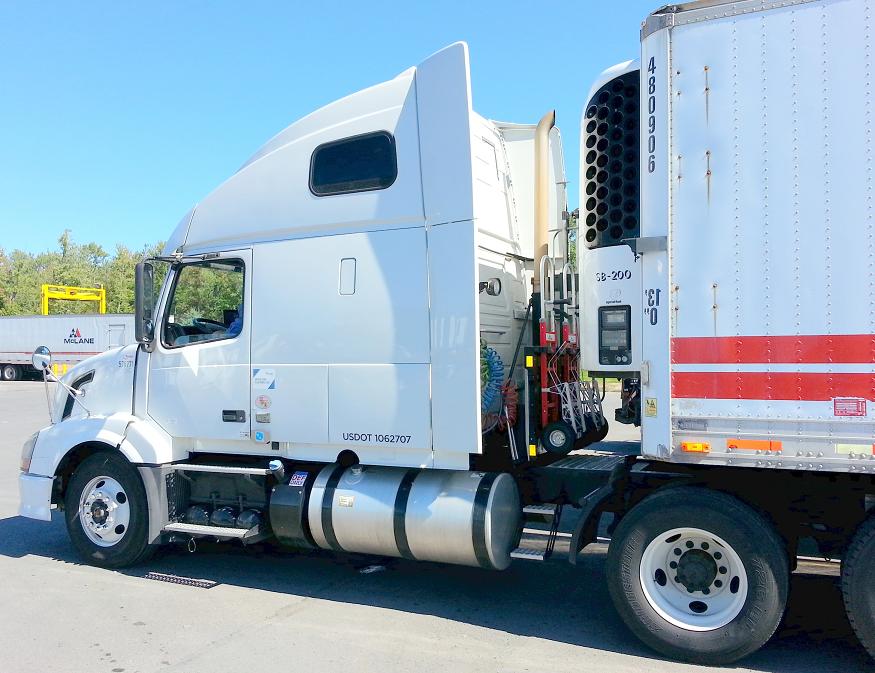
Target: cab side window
(206,304)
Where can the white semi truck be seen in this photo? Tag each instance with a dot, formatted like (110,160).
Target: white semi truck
(71,339)
(371,340)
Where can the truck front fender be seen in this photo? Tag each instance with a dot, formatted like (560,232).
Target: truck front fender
(55,441)
(140,441)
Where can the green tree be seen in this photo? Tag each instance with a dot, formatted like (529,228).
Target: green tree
(83,265)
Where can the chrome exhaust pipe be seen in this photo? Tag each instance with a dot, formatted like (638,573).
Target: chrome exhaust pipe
(542,192)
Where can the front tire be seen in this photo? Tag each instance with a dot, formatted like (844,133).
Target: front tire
(107,513)
(858,584)
(698,576)
(10,373)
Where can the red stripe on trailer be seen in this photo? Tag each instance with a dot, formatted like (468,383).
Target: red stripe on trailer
(798,386)
(799,349)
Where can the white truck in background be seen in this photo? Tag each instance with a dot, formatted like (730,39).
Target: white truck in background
(72,338)
(371,339)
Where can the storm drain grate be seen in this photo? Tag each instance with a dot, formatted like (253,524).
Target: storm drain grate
(176,579)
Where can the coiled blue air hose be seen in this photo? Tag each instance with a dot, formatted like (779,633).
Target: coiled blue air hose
(494,369)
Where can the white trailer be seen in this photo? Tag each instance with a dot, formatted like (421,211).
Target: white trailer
(71,338)
(370,339)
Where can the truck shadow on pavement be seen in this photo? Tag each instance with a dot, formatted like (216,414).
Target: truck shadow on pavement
(553,601)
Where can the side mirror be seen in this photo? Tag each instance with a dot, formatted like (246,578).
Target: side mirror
(144,328)
(41,358)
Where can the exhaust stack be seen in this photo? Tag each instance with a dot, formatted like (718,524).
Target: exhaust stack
(542,192)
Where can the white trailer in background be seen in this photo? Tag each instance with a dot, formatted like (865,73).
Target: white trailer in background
(394,366)
(71,338)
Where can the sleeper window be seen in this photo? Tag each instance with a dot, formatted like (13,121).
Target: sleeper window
(356,164)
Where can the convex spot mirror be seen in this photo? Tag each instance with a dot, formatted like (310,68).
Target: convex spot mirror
(492,287)
(41,358)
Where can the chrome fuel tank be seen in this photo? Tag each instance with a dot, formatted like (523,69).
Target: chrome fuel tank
(448,516)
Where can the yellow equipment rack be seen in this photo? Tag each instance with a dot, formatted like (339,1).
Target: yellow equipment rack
(70,293)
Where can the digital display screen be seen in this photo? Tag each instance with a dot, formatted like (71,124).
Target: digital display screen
(615,338)
(613,318)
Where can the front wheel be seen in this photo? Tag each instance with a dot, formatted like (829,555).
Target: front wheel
(10,373)
(698,575)
(107,513)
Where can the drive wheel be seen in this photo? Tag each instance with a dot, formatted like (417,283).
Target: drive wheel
(698,576)
(107,513)
(558,437)
(858,584)
(10,373)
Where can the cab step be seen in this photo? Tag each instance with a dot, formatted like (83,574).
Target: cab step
(527,554)
(544,510)
(545,514)
(246,535)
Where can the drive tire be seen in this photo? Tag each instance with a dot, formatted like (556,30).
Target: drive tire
(10,373)
(858,584)
(132,547)
(750,544)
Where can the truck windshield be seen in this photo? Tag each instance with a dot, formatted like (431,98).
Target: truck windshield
(206,304)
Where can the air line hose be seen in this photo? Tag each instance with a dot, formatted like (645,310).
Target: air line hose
(491,376)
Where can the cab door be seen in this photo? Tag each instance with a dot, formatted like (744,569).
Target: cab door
(199,368)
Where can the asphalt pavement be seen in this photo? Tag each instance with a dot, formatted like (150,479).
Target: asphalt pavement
(262,610)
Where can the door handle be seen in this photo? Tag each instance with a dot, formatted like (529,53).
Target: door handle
(233,416)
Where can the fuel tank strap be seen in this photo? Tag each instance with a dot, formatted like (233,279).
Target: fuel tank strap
(327,506)
(400,514)
(478,519)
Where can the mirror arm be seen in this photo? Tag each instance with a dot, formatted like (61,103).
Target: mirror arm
(70,389)
(46,374)
(149,344)
(76,393)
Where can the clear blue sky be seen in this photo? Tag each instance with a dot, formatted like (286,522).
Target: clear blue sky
(117,117)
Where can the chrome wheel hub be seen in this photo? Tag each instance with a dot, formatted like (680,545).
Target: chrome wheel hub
(557,438)
(104,511)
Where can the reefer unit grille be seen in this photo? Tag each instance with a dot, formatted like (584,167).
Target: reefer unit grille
(610,163)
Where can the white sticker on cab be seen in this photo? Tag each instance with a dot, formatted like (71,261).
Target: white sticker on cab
(263,379)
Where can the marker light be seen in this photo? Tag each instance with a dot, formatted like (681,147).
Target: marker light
(695,447)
